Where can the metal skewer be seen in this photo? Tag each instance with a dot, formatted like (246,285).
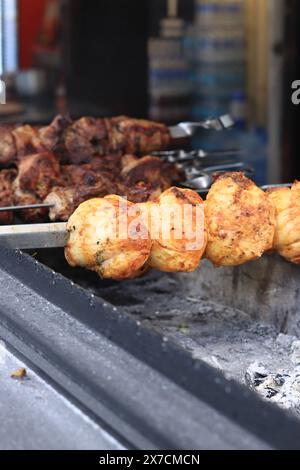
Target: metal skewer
(264,188)
(190,184)
(188,129)
(34,236)
(181,156)
(25,207)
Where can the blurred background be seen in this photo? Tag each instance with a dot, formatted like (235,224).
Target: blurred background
(168,60)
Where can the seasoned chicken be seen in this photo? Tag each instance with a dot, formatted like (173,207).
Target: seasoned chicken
(21,197)
(178,230)
(241,221)
(287,235)
(141,180)
(90,137)
(6,195)
(8,150)
(37,174)
(136,136)
(101,241)
(51,138)
(85,139)
(65,200)
(26,139)
(140,192)
(151,170)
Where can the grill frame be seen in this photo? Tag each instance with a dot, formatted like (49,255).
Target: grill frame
(260,424)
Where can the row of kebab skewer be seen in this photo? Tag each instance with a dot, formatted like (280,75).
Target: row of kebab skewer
(69,162)
(85,169)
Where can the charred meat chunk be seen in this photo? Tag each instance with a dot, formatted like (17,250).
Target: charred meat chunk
(7,178)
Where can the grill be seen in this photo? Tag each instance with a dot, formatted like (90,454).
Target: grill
(181,361)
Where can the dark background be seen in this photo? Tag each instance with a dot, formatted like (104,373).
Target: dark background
(105,50)
(291,113)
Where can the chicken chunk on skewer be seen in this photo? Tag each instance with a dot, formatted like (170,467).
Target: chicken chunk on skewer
(36,176)
(178,229)
(89,137)
(100,242)
(7,178)
(136,136)
(8,150)
(151,170)
(287,235)
(241,221)
(85,139)
(138,180)
(65,200)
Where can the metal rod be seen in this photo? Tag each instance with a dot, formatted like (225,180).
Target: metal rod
(25,207)
(264,188)
(52,235)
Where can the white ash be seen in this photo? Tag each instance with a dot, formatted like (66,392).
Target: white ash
(236,343)
(280,386)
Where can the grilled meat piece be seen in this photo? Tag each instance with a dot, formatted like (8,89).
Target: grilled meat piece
(139,193)
(136,136)
(38,173)
(99,243)
(8,150)
(141,180)
(26,140)
(241,221)
(150,170)
(85,139)
(65,200)
(27,198)
(89,137)
(85,175)
(287,234)
(178,230)
(36,176)
(84,185)
(6,195)
(51,138)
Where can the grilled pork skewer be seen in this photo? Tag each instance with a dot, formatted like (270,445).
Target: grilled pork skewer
(201,192)
(41,183)
(82,140)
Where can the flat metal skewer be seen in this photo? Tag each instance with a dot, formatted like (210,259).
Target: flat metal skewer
(34,236)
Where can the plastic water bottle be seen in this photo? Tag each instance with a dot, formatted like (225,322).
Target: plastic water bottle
(169,72)
(219,55)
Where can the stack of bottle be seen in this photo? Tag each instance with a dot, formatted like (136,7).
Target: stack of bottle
(218,58)
(169,70)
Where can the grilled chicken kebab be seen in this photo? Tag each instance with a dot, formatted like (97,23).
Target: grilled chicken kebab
(100,240)
(287,235)
(41,178)
(239,223)
(80,141)
(69,162)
